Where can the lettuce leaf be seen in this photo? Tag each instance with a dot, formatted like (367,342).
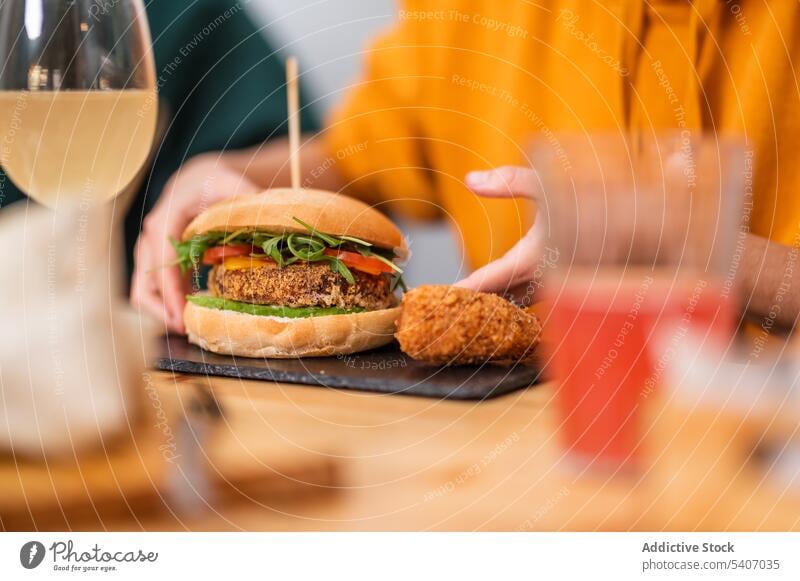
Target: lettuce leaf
(211,302)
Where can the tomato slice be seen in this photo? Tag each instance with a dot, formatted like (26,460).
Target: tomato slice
(219,253)
(355,260)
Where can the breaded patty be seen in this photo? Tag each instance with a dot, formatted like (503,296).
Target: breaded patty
(451,325)
(301,285)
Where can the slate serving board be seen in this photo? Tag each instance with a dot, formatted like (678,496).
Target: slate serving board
(384,370)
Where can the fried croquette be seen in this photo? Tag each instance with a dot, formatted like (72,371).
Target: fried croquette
(449,325)
(301,285)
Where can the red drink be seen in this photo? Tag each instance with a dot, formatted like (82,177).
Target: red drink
(611,341)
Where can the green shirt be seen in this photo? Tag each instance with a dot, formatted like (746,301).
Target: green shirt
(222,86)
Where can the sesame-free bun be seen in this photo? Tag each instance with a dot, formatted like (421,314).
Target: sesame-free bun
(275,210)
(245,335)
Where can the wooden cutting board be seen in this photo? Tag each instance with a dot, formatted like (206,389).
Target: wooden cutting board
(384,370)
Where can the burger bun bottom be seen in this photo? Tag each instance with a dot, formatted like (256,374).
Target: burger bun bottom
(245,335)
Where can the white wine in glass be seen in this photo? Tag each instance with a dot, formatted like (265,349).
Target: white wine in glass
(78,101)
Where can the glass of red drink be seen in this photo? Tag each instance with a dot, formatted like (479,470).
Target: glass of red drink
(645,230)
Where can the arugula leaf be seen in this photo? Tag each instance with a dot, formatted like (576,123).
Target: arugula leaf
(339,267)
(191,251)
(397,280)
(368,253)
(355,240)
(271,248)
(329,240)
(232,236)
(286,248)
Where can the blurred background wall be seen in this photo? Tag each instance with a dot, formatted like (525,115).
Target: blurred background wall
(329,37)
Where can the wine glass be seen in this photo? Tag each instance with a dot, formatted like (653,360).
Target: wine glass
(78,100)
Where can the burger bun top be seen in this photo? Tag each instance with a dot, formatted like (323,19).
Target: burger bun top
(275,211)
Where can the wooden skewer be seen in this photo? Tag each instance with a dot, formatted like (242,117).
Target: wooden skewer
(294,120)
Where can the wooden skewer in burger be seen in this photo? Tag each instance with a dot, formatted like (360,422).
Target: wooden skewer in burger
(295,272)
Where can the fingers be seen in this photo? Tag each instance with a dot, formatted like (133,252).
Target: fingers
(143,292)
(514,268)
(168,286)
(147,286)
(157,288)
(160,289)
(174,288)
(496,277)
(517,266)
(505,182)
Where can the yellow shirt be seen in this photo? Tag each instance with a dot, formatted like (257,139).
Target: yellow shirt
(461,85)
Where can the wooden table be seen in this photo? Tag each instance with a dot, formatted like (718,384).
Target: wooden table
(313,458)
(410,463)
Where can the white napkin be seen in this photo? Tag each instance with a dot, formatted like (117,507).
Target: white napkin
(71,351)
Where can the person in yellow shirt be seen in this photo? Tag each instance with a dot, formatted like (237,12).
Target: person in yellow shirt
(457,86)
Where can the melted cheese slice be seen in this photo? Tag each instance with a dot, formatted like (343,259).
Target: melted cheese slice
(242,262)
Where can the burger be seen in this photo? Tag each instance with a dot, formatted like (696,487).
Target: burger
(293,273)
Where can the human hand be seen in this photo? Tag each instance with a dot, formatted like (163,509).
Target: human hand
(518,267)
(158,287)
